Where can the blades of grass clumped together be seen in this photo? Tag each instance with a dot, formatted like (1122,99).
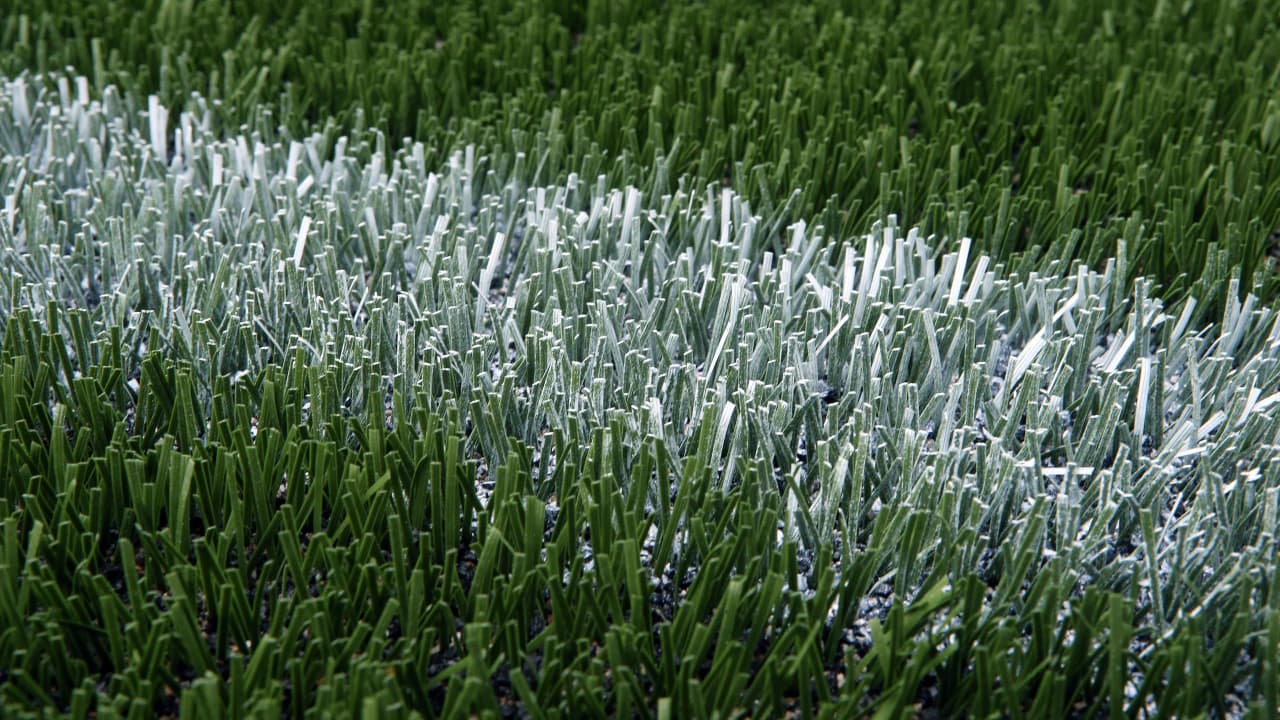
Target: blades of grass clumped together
(284,430)
(1054,127)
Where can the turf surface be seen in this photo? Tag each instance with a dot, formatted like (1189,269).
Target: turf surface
(1064,125)
(542,412)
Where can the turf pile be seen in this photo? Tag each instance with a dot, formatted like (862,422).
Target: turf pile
(1062,126)
(319,426)
(543,359)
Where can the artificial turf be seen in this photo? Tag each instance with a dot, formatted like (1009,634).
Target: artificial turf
(1031,126)
(608,395)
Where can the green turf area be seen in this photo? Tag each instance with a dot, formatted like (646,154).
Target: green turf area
(1027,125)
(536,358)
(309,425)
